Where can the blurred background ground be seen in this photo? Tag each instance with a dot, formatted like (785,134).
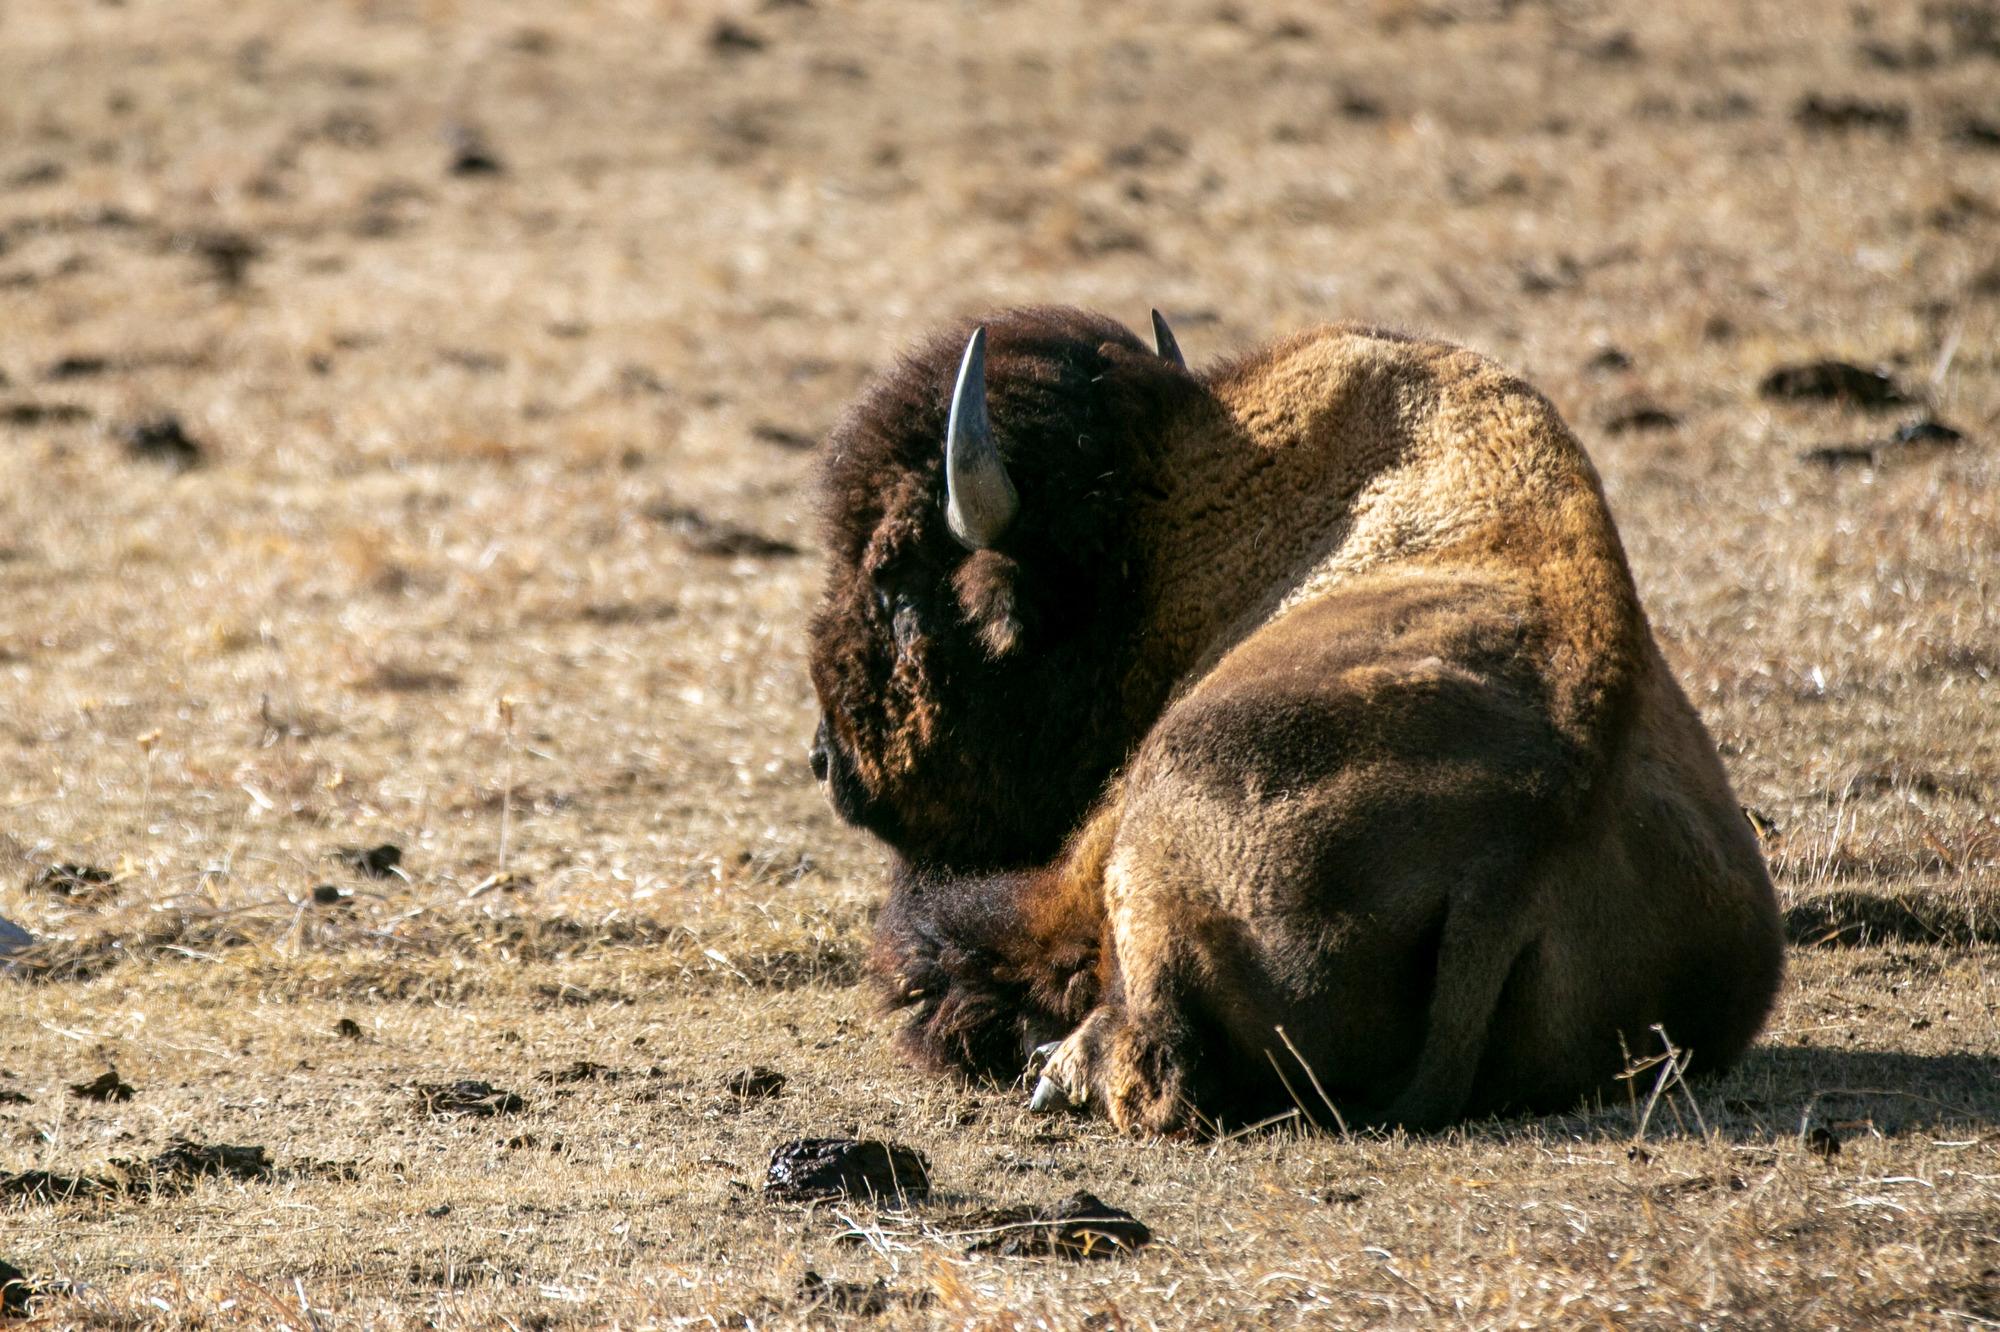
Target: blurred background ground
(364,365)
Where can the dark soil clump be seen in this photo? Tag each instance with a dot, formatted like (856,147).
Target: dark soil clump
(377,862)
(1833,381)
(161,439)
(467,1096)
(815,1168)
(74,881)
(1080,1227)
(755,1084)
(107,1086)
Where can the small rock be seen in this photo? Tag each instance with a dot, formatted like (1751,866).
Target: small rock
(43,413)
(636,378)
(377,862)
(1607,361)
(1158,147)
(1913,436)
(810,1168)
(15,1290)
(583,1070)
(701,535)
(77,367)
(470,154)
(442,1209)
(1914,56)
(227,254)
(478,362)
(1819,114)
(38,173)
(1839,455)
(1927,431)
(1975,132)
(765,432)
(1539,279)
(1079,1227)
(730,38)
(107,1086)
(1833,381)
(756,1083)
(1636,417)
(1357,105)
(467,1096)
(1618,48)
(161,439)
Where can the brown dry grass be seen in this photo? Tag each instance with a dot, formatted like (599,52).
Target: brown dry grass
(455,427)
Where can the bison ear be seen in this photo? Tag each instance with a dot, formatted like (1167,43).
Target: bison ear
(1164,342)
(986,590)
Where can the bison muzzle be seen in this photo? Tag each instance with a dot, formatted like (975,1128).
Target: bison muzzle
(1291,724)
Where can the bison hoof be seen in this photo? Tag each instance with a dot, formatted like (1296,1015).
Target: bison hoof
(1064,1067)
(1049,1095)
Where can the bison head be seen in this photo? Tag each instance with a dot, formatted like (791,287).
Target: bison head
(981,614)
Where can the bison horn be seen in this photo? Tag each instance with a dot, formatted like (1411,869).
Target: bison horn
(1164,343)
(979,499)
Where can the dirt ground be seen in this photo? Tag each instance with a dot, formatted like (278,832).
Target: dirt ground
(406,413)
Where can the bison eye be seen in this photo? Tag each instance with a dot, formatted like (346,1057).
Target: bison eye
(899,609)
(904,624)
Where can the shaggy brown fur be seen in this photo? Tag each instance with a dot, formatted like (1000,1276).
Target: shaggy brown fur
(1339,644)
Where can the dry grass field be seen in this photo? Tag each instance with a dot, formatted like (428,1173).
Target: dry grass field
(497,336)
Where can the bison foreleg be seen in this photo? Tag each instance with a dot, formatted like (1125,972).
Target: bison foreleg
(1133,1057)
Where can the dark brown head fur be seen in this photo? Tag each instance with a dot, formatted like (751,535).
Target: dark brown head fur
(972,700)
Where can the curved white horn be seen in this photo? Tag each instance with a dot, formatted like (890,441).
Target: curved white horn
(1163,341)
(979,499)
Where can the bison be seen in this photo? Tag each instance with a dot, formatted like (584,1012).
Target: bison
(1290,724)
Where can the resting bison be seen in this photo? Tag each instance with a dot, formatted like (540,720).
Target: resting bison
(1296,712)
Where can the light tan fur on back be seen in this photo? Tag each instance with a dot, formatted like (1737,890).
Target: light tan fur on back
(1342,460)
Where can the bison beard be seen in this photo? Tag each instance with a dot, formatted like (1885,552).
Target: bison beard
(1291,725)
(982,991)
